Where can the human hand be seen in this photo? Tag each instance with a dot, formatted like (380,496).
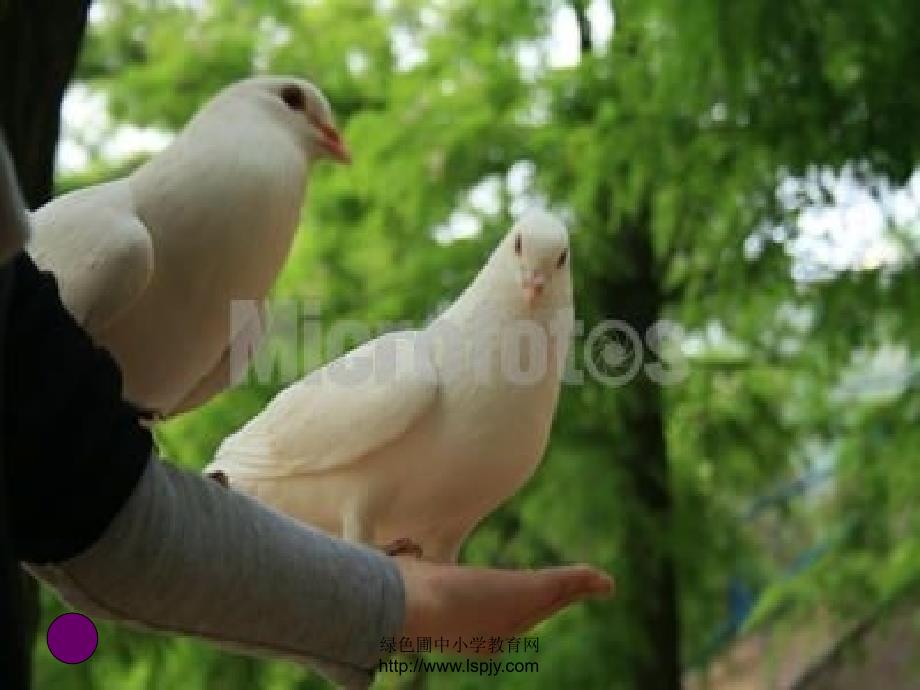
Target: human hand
(461,601)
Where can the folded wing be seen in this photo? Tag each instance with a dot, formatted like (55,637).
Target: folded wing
(338,414)
(98,249)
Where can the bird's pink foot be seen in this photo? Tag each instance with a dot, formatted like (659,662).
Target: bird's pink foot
(403,546)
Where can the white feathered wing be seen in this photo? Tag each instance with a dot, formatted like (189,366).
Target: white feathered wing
(338,414)
(99,251)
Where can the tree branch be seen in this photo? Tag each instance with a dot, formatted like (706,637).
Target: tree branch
(584,24)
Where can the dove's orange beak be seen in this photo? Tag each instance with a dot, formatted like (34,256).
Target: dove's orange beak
(533,287)
(332,142)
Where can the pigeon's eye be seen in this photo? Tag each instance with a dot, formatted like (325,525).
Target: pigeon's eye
(518,245)
(293,97)
(562,258)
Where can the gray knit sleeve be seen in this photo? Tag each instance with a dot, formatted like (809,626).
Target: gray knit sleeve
(186,555)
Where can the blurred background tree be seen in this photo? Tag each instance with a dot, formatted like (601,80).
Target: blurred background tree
(739,181)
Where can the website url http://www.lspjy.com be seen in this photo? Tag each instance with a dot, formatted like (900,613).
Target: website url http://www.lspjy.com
(487,668)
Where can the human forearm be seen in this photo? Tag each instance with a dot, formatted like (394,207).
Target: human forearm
(186,555)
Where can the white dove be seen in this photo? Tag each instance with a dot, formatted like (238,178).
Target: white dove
(411,439)
(150,264)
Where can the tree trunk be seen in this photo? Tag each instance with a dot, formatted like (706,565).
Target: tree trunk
(39,44)
(636,297)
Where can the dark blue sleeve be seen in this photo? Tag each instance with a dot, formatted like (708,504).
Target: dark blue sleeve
(73,448)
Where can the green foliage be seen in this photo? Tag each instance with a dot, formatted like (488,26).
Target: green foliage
(673,137)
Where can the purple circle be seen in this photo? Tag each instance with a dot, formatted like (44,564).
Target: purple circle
(72,638)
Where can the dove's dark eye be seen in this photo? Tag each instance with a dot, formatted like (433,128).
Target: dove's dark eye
(518,246)
(293,97)
(562,258)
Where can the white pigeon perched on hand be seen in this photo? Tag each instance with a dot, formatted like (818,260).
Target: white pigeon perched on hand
(408,441)
(150,264)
